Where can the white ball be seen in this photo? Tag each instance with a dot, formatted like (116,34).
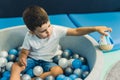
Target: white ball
(9,65)
(3,62)
(63,62)
(26,77)
(70,62)
(37,70)
(38,78)
(3,53)
(78,79)
(78,72)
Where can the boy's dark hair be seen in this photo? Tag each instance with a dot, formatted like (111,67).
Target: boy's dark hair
(34,16)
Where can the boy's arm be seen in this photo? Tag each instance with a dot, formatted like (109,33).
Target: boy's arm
(87,30)
(23,56)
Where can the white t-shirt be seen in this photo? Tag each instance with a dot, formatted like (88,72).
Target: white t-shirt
(44,49)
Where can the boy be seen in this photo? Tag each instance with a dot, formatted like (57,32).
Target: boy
(41,42)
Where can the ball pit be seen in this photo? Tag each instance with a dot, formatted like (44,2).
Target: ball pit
(83,45)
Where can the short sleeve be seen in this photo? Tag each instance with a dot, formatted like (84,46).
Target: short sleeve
(61,31)
(26,43)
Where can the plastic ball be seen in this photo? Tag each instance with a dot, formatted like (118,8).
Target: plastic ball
(26,77)
(56,58)
(9,65)
(68,71)
(75,56)
(38,78)
(63,62)
(76,63)
(37,70)
(67,78)
(4,78)
(3,54)
(78,72)
(73,76)
(78,79)
(13,51)
(67,53)
(2,69)
(60,77)
(6,74)
(11,57)
(70,62)
(30,72)
(84,61)
(50,77)
(85,74)
(59,52)
(3,62)
(84,67)
(19,48)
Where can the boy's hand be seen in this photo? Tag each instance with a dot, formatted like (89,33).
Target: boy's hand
(22,62)
(102,29)
(18,68)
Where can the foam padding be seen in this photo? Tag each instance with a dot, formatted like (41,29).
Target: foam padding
(109,19)
(61,19)
(9,22)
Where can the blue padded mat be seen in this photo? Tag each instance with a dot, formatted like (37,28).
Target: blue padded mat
(61,19)
(9,22)
(110,19)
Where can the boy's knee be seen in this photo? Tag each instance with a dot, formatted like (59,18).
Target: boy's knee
(56,70)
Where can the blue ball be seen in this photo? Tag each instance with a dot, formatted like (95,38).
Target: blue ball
(13,51)
(60,77)
(73,76)
(68,71)
(69,51)
(30,72)
(56,58)
(84,67)
(76,63)
(67,78)
(6,74)
(4,78)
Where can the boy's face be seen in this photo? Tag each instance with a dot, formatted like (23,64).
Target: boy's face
(44,31)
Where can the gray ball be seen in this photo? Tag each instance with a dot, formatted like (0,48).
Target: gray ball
(50,77)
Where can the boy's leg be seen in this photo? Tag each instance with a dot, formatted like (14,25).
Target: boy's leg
(50,68)
(54,71)
(15,71)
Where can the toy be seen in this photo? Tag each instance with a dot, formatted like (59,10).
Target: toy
(106,42)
